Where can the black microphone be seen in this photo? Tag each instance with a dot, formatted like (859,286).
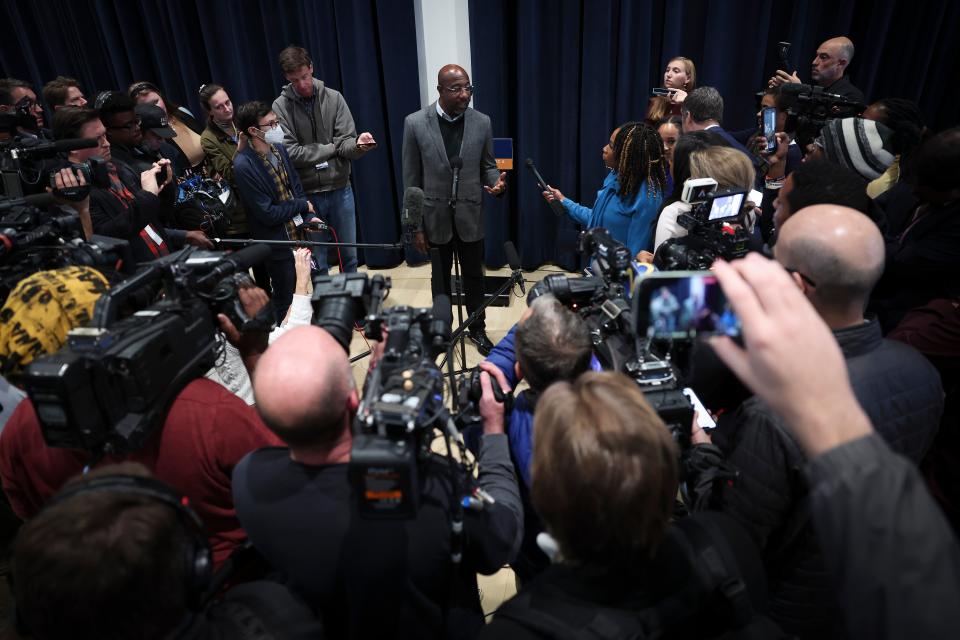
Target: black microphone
(554,205)
(35,200)
(411,218)
(513,258)
(37,148)
(236,262)
(456,163)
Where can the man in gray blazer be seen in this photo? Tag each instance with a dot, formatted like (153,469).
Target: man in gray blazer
(437,138)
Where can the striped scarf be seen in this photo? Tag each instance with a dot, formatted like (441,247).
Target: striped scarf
(281,181)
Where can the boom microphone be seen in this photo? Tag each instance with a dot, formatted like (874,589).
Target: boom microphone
(513,259)
(236,262)
(33,148)
(554,205)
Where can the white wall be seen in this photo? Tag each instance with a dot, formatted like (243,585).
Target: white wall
(443,37)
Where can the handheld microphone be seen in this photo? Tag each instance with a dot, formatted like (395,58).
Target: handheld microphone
(513,258)
(411,218)
(456,163)
(236,262)
(554,205)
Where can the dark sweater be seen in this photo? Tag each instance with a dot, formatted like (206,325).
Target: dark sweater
(452,134)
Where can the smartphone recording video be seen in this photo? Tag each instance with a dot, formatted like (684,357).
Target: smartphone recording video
(681,305)
(770,128)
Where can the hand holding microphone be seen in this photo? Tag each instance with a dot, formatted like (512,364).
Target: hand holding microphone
(556,198)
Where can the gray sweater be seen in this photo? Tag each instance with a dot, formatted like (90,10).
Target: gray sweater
(318,131)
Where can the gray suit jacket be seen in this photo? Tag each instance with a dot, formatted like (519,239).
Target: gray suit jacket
(425,165)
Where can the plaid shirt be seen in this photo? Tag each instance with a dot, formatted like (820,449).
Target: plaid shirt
(281,180)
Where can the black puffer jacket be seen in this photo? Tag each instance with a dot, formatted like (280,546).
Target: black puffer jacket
(901,392)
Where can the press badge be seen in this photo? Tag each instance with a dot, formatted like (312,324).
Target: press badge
(298,220)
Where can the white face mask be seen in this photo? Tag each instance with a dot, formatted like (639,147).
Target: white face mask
(274,136)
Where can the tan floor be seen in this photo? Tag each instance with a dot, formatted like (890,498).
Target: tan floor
(411,286)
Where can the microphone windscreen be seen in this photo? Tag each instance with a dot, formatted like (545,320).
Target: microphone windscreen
(249,256)
(413,205)
(528,162)
(513,258)
(456,162)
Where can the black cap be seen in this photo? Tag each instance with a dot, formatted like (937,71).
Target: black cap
(153,118)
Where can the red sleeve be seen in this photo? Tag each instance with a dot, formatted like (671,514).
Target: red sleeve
(30,470)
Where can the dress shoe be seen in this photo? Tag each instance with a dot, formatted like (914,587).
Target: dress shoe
(481,341)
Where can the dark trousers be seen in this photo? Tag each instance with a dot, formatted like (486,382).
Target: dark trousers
(471,270)
(283,280)
(260,275)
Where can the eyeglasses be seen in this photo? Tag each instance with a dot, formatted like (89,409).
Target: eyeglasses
(268,125)
(130,126)
(459,88)
(802,277)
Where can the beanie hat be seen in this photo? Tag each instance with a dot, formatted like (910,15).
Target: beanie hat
(42,309)
(859,144)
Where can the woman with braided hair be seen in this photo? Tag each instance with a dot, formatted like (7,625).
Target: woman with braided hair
(631,194)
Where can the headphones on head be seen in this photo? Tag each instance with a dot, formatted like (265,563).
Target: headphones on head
(198,558)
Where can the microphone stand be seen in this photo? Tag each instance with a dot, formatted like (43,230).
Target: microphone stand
(306,243)
(460,333)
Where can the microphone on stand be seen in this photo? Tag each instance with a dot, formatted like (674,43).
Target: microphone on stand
(513,259)
(456,163)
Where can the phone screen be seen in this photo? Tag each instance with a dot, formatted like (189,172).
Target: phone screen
(682,305)
(725,207)
(770,128)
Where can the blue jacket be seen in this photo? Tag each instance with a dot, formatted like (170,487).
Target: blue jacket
(520,426)
(266,214)
(629,222)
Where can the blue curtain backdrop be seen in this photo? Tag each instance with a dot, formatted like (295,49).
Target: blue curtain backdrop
(559,75)
(367,49)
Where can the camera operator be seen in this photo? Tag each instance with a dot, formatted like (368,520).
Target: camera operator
(118,555)
(835,255)
(205,432)
(19,96)
(367,577)
(549,343)
(729,168)
(604,480)
(21,117)
(827,70)
(118,208)
(893,559)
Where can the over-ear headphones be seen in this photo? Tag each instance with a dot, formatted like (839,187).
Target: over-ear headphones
(198,559)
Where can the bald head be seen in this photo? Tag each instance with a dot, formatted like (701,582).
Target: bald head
(832,59)
(839,250)
(303,386)
(452,85)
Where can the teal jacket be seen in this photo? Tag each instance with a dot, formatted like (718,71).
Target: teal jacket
(630,222)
